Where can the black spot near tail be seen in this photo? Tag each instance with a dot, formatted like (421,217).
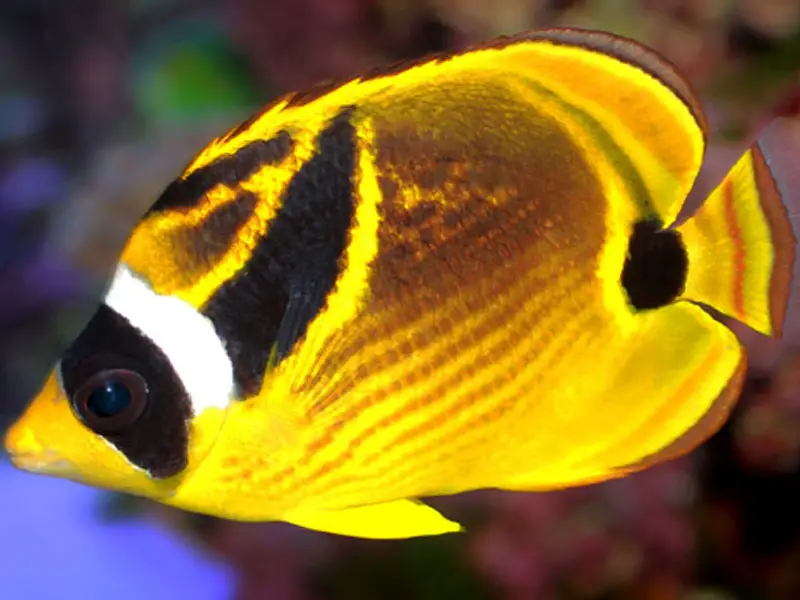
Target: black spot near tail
(654,274)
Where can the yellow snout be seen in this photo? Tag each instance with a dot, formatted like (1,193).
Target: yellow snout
(49,439)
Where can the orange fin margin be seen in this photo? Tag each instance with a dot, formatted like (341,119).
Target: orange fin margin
(630,52)
(706,427)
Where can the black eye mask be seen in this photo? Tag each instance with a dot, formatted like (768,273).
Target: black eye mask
(122,386)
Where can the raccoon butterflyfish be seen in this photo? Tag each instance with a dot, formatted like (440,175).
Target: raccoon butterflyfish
(461,273)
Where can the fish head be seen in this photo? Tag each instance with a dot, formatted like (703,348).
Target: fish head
(137,401)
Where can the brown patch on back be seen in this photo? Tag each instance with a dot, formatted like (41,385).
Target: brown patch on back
(496,196)
(484,185)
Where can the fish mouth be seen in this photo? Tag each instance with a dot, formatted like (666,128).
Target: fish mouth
(47,462)
(26,453)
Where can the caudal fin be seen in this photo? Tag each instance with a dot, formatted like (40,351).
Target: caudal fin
(742,242)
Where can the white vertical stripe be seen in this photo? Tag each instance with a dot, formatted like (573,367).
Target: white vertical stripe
(185,336)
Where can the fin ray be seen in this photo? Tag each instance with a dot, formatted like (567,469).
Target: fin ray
(743,236)
(708,425)
(664,399)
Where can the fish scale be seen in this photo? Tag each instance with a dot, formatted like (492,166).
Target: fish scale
(455,390)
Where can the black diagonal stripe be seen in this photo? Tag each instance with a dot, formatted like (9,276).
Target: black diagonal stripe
(229,170)
(201,247)
(271,301)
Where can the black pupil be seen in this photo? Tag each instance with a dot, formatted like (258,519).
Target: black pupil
(109,400)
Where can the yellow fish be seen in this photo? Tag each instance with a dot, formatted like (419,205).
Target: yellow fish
(460,273)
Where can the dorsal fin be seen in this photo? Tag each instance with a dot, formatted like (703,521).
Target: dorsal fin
(634,54)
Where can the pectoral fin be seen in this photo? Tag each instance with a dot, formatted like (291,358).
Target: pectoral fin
(306,298)
(397,519)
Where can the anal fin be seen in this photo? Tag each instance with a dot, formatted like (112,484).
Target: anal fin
(676,381)
(388,520)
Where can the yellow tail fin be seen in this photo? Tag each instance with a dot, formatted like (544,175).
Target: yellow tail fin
(742,242)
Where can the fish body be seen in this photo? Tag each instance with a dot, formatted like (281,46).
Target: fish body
(461,273)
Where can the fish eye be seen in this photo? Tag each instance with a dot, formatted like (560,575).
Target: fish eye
(111,400)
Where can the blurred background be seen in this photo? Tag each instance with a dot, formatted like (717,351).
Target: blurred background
(103,101)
